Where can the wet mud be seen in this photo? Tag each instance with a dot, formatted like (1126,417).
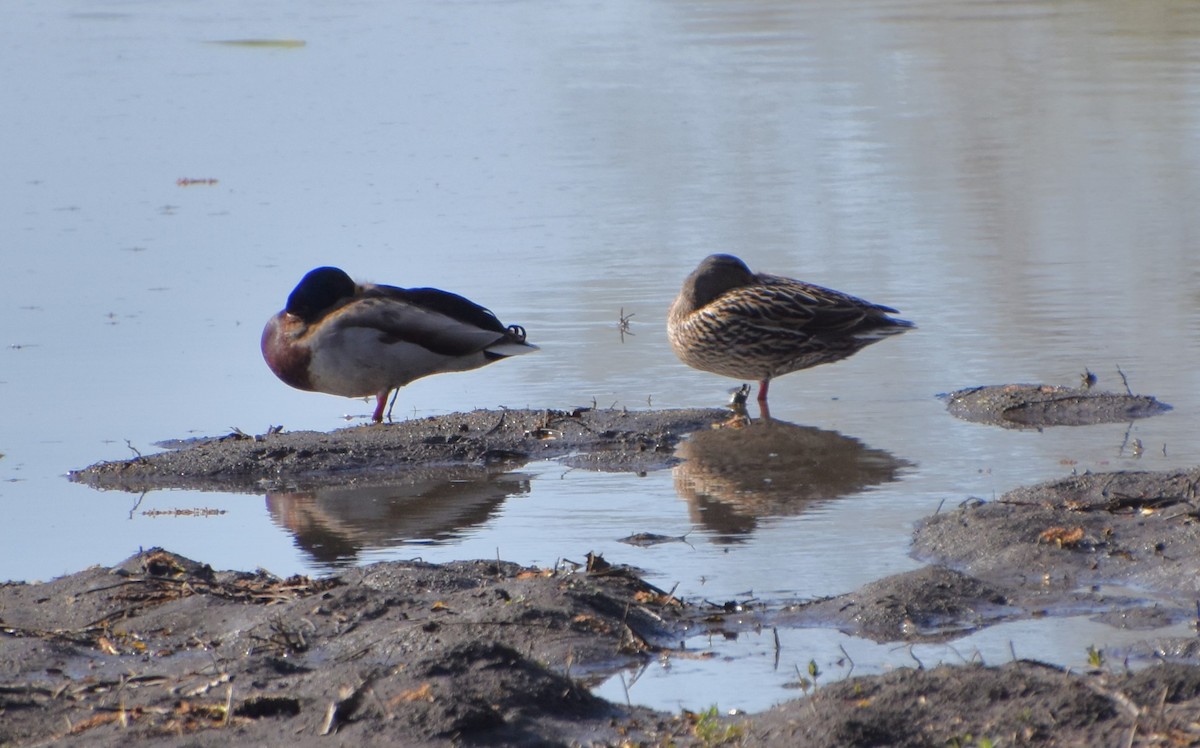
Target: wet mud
(613,440)
(1123,547)
(162,650)
(1039,405)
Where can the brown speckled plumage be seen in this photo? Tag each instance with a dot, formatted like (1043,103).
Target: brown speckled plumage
(730,321)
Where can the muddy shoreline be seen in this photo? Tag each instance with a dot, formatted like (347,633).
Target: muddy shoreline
(162,650)
(602,439)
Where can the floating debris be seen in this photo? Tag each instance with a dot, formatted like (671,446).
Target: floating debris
(647,539)
(280,43)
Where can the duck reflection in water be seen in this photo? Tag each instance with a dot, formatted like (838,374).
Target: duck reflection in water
(735,475)
(335,524)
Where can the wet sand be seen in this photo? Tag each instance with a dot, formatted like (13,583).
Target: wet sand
(165,650)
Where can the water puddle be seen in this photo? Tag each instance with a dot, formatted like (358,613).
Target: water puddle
(757,669)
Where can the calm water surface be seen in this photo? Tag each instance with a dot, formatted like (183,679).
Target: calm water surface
(1019,178)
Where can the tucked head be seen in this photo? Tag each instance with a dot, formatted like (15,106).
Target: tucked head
(318,291)
(716,275)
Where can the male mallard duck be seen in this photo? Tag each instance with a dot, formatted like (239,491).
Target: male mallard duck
(732,322)
(343,338)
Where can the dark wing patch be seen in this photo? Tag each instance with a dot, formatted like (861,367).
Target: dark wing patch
(396,321)
(443,302)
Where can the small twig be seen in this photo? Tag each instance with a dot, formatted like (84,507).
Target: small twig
(1124,380)
(920,665)
(346,705)
(623,324)
(137,503)
(494,429)
(848,659)
(668,599)
(1125,441)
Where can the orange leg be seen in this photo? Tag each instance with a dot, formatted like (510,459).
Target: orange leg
(762,390)
(380,401)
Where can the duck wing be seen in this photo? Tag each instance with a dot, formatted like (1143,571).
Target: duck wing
(438,321)
(785,307)
(443,302)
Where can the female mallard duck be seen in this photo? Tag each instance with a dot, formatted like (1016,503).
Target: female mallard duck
(343,338)
(732,322)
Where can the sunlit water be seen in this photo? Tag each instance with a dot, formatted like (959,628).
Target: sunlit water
(1020,179)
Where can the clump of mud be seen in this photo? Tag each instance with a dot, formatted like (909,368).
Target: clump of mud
(1057,544)
(163,646)
(1040,405)
(162,650)
(615,440)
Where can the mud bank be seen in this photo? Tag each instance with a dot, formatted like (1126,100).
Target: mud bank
(161,650)
(1039,405)
(1122,546)
(614,440)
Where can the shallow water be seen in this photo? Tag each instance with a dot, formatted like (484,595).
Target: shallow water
(1020,179)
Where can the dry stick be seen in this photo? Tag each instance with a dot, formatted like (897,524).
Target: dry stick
(1125,441)
(848,659)
(1124,380)
(494,429)
(137,504)
(625,686)
(670,597)
(344,707)
(920,665)
(638,675)
(228,704)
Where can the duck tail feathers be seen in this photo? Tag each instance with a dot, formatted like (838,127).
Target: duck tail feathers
(506,348)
